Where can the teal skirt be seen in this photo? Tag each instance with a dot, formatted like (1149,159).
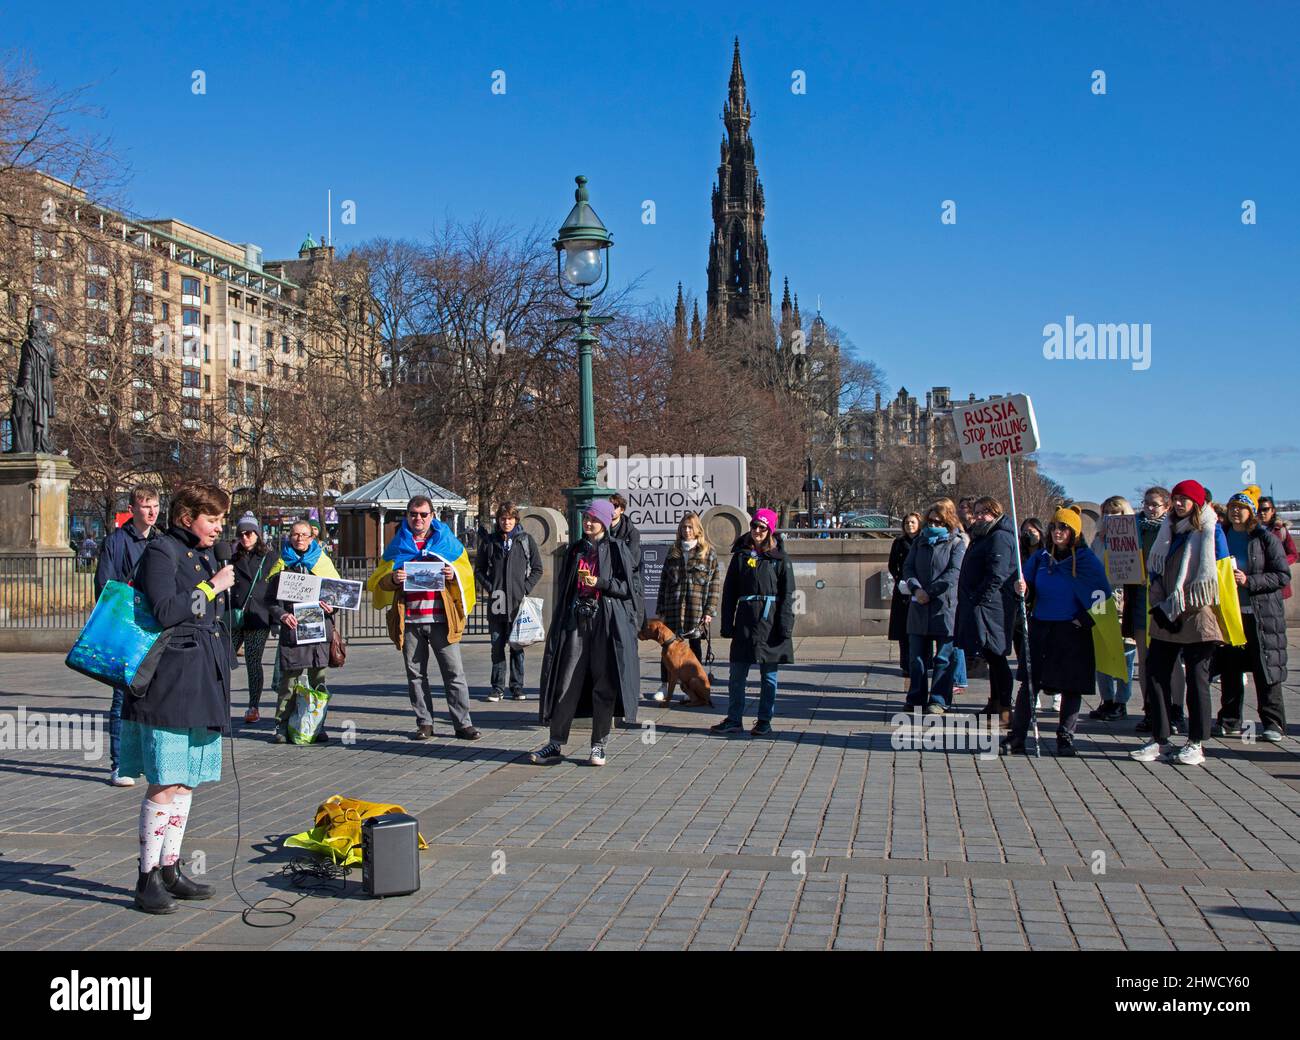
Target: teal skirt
(165,756)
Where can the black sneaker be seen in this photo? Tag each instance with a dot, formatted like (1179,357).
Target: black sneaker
(727,726)
(1117,712)
(1225,729)
(761,729)
(1102,710)
(1065,748)
(494,696)
(1143,726)
(518,695)
(1011,746)
(547,755)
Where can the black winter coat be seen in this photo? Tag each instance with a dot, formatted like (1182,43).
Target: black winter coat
(293,657)
(935,569)
(625,532)
(250,586)
(619,585)
(761,630)
(1267,575)
(191,688)
(986,591)
(503,581)
(900,601)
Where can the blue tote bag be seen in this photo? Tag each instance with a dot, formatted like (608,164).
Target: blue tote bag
(121,642)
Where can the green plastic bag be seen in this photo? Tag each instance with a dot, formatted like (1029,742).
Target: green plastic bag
(309,708)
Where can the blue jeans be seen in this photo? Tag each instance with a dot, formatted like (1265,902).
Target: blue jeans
(1118,690)
(736,691)
(115,724)
(959,676)
(924,653)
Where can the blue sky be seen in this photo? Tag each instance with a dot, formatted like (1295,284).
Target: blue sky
(1117,208)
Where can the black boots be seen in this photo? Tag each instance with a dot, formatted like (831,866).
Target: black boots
(181,887)
(152,896)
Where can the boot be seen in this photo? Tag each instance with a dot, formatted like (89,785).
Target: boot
(182,887)
(151,895)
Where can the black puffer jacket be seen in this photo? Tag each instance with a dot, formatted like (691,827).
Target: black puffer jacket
(758,604)
(986,593)
(1267,574)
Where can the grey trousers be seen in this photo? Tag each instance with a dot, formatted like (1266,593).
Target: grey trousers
(417,643)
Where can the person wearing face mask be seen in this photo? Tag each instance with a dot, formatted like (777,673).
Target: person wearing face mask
(1183,594)
(1261,573)
(688,590)
(902,599)
(591,667)
(172,732)
(1155,504)
(1068,580)
(930,577)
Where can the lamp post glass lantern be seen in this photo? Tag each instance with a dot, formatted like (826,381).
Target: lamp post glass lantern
(581,258)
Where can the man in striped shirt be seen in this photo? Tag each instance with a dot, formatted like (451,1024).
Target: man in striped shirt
(427,629)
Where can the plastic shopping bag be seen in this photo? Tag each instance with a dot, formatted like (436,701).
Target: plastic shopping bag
(309,708)
(528,628)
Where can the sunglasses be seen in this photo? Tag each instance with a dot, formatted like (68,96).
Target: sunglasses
(247,534)
(756,526)
(418,516)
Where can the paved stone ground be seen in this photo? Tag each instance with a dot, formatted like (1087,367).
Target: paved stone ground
(826,836)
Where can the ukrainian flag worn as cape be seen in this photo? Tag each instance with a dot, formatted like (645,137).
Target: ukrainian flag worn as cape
(440,544)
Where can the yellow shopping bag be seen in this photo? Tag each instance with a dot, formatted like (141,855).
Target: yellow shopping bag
(1108,643)
(337,833)
(1228,609)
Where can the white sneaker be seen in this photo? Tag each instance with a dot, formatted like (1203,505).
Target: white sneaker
(659,696)
(1188,755)
(118,780)
(597,755)
(1056,703)
(1146,753)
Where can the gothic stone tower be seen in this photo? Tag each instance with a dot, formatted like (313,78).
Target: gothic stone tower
(740,282)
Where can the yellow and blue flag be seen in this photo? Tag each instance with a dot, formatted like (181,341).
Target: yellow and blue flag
(440,544)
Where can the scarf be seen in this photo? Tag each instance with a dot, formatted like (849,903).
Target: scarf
(439,542)
(290,557)
(935,534)
(981,528)
(1197,581)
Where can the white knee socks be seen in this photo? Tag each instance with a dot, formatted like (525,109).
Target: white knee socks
(180,814)
(162,826)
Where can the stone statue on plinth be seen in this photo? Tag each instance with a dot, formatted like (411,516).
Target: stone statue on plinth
(32,415)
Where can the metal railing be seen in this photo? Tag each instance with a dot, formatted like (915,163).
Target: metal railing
(58,592)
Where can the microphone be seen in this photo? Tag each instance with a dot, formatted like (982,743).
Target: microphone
(221,550)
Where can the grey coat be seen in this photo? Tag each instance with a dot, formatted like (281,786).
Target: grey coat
(933,568)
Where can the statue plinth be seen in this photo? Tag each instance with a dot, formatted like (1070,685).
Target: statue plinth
(34,504)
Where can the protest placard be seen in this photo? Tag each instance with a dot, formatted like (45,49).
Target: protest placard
(424,576)
(341,593)
(311,623)
(298,588)
(996,429)
(1122,547)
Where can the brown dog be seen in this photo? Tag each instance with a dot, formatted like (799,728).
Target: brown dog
(684,667)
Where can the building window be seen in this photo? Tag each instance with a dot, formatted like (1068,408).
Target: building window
(234,359)
(207,324)
(284,344)
(166,280)
(270,339)
(207,352)
(270,368)
(190,286)
(207,384)
(233,393)
(207,294)
(166,312)
(189,377)
(189,316)
(234,325)
(284,372)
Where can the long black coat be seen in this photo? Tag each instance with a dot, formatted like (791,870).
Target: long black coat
(191,688)
(250,587)
(625,531)
(986,592)
(761,631)
(293,657)
(1267,574)
(619,585)
(900,601)
(935,568)
(503,581)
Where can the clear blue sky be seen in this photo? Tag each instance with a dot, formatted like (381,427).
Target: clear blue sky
(1117,208)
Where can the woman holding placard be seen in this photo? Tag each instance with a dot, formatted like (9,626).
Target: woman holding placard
(300,553)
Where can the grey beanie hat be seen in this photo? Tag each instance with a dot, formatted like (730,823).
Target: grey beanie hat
(248,522)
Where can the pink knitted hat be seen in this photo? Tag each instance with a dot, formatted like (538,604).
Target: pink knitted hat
(766,516)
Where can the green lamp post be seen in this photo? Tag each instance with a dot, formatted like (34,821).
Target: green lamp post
(580,262)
